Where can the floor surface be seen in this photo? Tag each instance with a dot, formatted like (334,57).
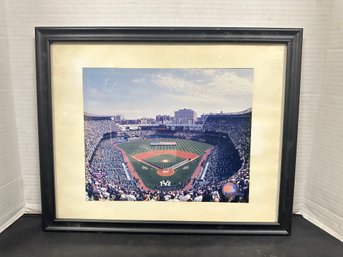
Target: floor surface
(25,238)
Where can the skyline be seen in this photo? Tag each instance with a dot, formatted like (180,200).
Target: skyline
(141,92)
(161,114)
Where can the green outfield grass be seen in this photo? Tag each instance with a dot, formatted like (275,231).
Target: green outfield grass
(164,160)
(149,175)
(143,145)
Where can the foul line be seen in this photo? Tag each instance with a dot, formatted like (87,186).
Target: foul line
(146,163)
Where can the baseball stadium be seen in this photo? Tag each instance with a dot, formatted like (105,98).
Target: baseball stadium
(168,161)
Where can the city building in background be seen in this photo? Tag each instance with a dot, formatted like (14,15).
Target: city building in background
(163,119)
(185,116)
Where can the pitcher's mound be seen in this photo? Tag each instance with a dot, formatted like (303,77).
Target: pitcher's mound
(165,172)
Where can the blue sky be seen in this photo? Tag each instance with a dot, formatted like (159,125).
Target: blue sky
(136,92)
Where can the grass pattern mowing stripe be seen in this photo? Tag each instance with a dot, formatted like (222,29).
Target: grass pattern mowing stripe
(143,145)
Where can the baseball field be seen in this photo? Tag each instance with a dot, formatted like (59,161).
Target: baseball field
(164,162)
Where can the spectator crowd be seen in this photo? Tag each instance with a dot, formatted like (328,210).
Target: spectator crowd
(94,131)
(238,128)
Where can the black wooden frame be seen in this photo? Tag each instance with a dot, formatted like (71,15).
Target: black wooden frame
(291,38)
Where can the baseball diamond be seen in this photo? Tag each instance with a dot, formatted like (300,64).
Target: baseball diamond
(153,161)
(164,160)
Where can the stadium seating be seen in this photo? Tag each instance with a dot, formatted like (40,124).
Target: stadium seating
(107,179)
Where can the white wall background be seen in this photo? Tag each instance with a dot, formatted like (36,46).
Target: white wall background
(318,194)
(322,201)
(11,186)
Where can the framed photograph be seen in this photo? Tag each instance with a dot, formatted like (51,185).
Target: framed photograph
(168,130)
